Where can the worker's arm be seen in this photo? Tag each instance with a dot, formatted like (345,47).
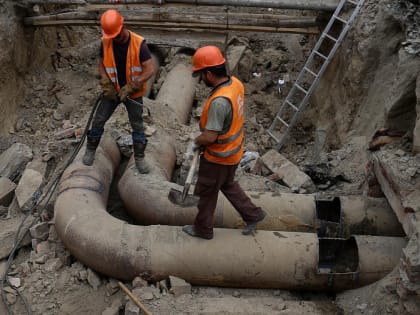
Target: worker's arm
(146,74)
(206,137)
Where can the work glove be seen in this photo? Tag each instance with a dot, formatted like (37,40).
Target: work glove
(129,89)
(195,146)
(108,89)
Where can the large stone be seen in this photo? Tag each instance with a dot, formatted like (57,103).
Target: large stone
(287,171)
(179,286)
(234,55)
(8,230)
(7,188)
(29,184)
(14,160)
(40,231)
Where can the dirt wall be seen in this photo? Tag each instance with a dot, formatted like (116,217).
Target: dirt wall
(372,79)
(13,60)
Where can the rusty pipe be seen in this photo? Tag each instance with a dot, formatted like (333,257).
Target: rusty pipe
(146,200)
(178,91)
(269,259)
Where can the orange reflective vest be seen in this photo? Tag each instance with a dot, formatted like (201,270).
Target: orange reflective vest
(133,65)
(228,147)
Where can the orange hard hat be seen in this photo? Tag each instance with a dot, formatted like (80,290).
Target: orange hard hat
(207,56)
(111,23)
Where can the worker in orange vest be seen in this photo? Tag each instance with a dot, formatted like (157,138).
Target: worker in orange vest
(222,141)
(125,65)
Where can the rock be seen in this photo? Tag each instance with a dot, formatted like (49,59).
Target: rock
(287,171)
(11,298)
(179,286)
(131,309)
(8,230)
(53,265)
(14,160)
(40,231)
(93,279)
(15,282)
(28,186)
(139,282)
(112,310)
(7,188)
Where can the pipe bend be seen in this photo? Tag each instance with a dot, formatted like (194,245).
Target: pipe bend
(269,259)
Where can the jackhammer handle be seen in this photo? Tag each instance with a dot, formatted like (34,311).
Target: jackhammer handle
(192,167)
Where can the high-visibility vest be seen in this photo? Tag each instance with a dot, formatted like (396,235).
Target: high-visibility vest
(228,147)
(133,67)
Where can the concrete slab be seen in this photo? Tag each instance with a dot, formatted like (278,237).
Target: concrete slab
(401,192)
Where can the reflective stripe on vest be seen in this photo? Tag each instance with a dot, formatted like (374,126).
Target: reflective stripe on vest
(228,147)
(133,64)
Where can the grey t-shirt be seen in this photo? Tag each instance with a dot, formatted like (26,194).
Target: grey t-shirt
(220,115)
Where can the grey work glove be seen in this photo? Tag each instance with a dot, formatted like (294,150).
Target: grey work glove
(108,89)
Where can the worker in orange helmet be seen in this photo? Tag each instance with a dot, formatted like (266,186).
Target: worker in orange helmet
(222,142)
(125,65)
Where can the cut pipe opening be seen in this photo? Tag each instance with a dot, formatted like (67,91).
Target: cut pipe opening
(338,256)
(328,210)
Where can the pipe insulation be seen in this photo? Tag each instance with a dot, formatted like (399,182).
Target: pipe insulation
(270,259)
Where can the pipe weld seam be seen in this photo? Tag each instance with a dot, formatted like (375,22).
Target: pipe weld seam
(100,189)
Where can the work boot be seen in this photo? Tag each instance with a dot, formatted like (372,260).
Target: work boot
(252,226)
(190,230)
(141,164)
(91,145)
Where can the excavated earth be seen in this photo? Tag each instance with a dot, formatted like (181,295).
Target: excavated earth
(48,85)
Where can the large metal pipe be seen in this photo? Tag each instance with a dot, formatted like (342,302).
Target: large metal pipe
(146,200)
(283,260)
(177,90)
(327,5)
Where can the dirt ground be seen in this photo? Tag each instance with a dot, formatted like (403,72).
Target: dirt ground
(49,82)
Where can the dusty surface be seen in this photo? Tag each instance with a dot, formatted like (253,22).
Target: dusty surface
(48,82)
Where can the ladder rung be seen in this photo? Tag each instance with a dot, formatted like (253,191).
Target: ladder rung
(310,71)
(293,106)
(353,2)
(301,88)
(319,54)
(273,136)
(341,20)
(330,37)
(283,122)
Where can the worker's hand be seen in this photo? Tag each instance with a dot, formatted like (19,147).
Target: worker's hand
(109,89)
(195,146)
(129,89)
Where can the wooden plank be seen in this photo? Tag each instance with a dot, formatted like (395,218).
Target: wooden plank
(155,16)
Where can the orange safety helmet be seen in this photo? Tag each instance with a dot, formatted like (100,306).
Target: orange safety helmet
(207,56)
(111,23)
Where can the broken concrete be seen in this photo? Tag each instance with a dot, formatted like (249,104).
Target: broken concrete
(28,187)
(7,189)
(14,160)
(287,171)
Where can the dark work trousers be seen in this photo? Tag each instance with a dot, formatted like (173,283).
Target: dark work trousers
(135,116)
(213,178)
